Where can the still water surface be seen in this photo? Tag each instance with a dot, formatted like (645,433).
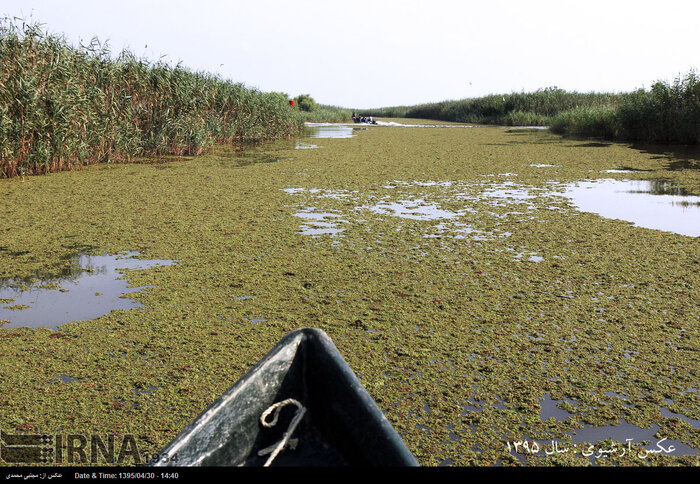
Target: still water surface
(95,288)
(653,204)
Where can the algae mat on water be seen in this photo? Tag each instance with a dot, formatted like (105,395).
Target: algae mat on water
(457,281)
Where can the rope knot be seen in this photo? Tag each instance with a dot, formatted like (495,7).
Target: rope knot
(275,449)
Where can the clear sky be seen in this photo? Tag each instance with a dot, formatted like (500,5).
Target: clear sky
(373,53)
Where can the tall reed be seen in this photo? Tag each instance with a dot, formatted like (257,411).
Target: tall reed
(63,106)
(532,108)
(667,113)
(326,114)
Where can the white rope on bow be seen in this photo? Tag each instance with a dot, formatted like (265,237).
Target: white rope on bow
(275,449)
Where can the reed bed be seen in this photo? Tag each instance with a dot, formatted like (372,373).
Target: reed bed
(63,106)
(327,114)
(666,113)
(525,108)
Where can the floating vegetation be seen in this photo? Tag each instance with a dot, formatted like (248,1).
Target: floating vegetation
(454,324)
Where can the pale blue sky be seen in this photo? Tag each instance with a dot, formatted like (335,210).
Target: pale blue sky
(372,53)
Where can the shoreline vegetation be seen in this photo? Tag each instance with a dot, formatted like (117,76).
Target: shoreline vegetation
(312,112)
(62,106)
(666,113)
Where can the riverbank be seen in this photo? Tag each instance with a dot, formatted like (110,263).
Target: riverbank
(666,113)
(64,107)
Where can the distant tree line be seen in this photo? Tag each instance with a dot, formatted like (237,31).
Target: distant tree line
(311,111)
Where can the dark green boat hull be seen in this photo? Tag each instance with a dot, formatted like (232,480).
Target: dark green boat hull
(342,425)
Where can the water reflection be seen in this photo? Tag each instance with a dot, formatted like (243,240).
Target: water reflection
(327,130)
(664,187)
(93,289)
(653,204)
(229,155)
(679,157)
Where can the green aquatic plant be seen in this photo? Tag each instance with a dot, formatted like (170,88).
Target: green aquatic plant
(16,307)
(454,327)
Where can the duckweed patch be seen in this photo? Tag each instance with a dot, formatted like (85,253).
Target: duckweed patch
(454,336)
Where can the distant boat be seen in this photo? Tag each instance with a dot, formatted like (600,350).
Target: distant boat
(316,414)
(364,119)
